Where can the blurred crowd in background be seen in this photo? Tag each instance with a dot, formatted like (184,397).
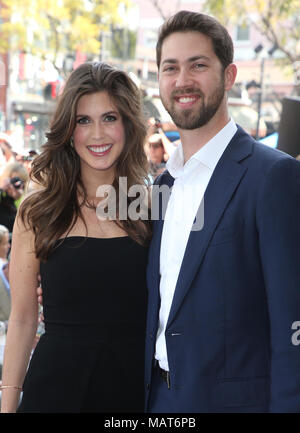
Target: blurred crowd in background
(14,179)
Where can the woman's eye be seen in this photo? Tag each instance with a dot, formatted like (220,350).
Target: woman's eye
(110,118)
(82,120)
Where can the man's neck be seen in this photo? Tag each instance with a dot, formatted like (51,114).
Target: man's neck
(193,140)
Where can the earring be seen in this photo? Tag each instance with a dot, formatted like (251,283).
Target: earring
(72,141)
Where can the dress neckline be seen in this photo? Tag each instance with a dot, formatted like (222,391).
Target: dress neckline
(91,237)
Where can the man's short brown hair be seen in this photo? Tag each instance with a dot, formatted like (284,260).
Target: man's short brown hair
(186,21)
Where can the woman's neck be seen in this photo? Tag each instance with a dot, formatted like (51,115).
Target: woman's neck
(92,182)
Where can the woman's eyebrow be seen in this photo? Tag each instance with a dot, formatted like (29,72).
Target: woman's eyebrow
(103,114)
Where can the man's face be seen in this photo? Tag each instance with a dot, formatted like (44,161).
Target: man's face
(191,79)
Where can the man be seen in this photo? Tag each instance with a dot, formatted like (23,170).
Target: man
(224,297)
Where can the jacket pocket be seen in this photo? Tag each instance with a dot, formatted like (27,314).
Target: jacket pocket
(243,392)
(225,234)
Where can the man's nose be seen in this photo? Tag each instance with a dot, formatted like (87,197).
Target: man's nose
(183,78)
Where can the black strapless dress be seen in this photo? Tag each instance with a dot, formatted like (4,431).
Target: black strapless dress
(91,357)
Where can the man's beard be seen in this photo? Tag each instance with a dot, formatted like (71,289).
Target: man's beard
(192,118)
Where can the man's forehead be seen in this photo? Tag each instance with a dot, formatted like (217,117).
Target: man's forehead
(182,46)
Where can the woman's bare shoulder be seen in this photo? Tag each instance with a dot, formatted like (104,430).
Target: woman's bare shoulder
(34,186)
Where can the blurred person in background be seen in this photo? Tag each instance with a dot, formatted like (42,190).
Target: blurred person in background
(27,159)
(4,245)
(13,182)
(91,356)
(158,147)
(5,298)
(14,169)
(155,152)
(5,302)
(5,308)
(6,153)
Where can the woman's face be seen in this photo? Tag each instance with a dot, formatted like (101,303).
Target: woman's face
(4,246)
(99,135)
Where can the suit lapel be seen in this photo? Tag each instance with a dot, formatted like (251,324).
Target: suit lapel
(223,183)
(158,210)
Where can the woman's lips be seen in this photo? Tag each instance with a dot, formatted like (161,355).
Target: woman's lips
(100,150)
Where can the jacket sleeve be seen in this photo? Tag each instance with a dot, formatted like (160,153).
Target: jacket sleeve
(278,221)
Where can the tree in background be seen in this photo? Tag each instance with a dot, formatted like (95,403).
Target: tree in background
(123,43)
(50,29)
(277,20)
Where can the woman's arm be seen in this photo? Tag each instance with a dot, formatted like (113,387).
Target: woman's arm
(23,320)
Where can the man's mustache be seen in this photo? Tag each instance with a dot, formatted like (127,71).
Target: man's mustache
(186,91)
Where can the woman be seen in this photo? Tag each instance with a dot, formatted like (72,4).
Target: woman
(90,358)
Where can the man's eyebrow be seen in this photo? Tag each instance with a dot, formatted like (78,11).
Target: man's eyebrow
(200,57)
(189,60)
(169,61)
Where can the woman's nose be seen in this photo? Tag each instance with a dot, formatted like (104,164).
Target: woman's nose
(98,131)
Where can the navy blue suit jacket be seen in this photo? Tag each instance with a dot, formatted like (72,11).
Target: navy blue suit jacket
(229,334)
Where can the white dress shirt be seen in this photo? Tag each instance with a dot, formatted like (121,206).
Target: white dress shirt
(191,180)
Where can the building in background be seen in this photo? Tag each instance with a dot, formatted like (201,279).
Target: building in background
(33,90)
(24,109)
(3,84)
(28,100)
(3,90)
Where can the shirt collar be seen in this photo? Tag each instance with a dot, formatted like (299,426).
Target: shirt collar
(208,155)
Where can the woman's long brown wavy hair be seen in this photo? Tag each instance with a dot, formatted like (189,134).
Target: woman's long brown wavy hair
(52,211)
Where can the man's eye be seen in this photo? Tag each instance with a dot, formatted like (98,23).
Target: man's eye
(199,66)
(169,69)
